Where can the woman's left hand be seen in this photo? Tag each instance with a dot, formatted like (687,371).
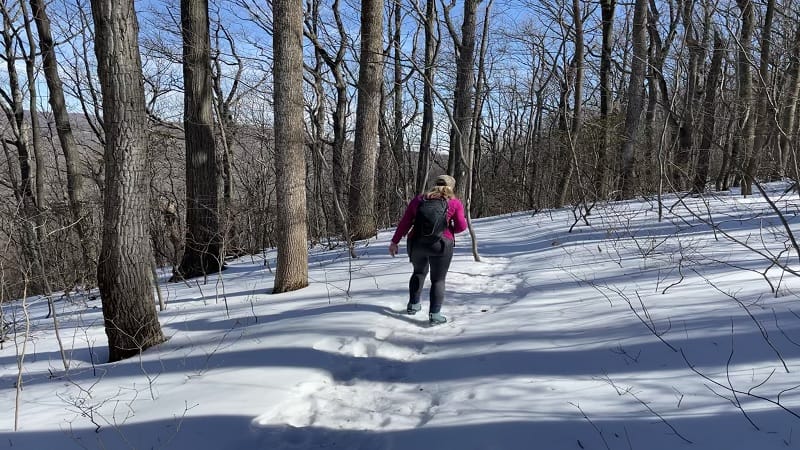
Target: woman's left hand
(393,249)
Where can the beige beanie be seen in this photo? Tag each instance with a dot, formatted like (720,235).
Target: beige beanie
(446,180)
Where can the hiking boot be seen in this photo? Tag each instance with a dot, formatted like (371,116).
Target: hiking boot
(437,318)
(412,308)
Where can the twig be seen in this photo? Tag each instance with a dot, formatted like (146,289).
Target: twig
(599,431)
(21,357)
(750,394)
(652,411)
(758,325)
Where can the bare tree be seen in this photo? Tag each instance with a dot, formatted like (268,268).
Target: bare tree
(398,142)
(126,256)
(709,116)
(370,81)
(788,139)
(290,169)
(336,65)
(765,118)
(743,144)
(686,128)
(27,187)
(635,99)
(431,50)
(607,12)
(202,246)
(577,67)
(229,86)
(75,189)
(460,159)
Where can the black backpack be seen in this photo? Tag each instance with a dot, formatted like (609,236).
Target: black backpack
(430,221)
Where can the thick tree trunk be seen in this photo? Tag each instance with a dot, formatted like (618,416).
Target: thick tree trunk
(370,80)
(201,254)
(126,257)
(290,169)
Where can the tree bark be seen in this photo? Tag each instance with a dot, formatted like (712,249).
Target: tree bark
(202,245)
(431,47)
(370,80)
(607,13)
(709,116)
(743,145)
(126,257)
(460,158)
(635,100)
(290,169)
(398,141)
(788,139)
(764,120)
(577,99)
(686,130)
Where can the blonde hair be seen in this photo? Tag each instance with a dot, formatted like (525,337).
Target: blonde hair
(445,192)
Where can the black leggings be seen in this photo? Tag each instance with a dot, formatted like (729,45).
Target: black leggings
(437,260)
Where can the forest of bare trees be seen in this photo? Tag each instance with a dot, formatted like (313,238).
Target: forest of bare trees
(196,130)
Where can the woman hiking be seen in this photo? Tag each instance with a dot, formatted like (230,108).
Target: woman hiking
(436,216)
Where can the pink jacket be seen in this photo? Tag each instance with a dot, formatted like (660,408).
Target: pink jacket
(455,219)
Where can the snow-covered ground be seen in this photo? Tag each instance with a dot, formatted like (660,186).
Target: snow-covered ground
(626,333)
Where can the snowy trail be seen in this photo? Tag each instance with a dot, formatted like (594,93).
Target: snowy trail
(548,347)
(385,395)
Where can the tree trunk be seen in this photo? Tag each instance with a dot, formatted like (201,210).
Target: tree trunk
(336,64)
(431,46)
(370,81)
(635,100)
(126,257)
(318,117)
(201,254)
(477,126)
(709,117)
(686,130)
(577,99)
(290,170)
(764,120)
(222,105)
(398,141)
(607,12)
(33,112)
(788,115)
(75,189)
(743,146)
(461,134)
(24,191)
